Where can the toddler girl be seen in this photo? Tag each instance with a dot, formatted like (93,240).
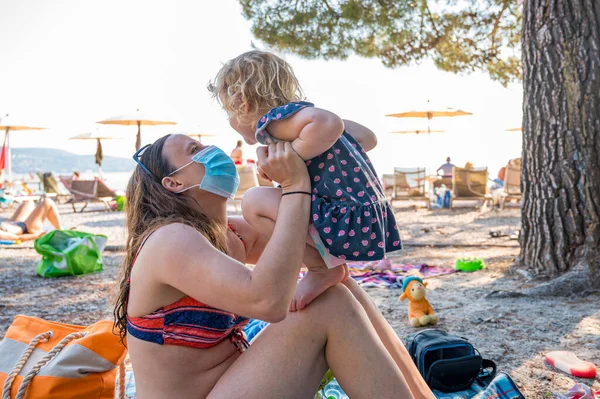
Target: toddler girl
(351,218)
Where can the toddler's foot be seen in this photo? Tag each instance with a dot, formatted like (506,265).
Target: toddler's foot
(314,283)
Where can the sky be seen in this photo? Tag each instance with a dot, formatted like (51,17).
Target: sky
(66,64)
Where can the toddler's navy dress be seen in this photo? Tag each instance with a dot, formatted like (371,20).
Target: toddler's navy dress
(349,210)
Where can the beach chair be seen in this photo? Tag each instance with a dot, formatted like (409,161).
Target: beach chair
(52,188)
(87,191)
(11,195)
(66,181)
(512,184)
(387,181)
(470,185)
(409,185)
(248,179)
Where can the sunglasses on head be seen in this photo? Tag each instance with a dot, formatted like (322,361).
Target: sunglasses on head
(137,157)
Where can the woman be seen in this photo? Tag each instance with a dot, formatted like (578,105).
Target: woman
(27,222)
(185,292)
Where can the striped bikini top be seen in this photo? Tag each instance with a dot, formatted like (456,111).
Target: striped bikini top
(188,322)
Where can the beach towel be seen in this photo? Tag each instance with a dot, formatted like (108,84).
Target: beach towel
(366,274)
(501,387)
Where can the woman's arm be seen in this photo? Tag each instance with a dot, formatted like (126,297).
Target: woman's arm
(182,258)
(5,235)
(365,136)
(312,131)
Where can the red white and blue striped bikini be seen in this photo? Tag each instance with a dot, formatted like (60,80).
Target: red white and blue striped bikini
(188,322)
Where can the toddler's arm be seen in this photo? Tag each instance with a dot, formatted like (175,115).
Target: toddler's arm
(312,131)
(365,136)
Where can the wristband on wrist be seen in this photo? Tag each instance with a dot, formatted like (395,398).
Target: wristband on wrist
(296,192)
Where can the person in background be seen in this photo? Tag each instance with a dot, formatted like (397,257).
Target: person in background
(27,221)
(469,166)
(499,181)
(498,186)
(76,175)
(446,168)
(236,154)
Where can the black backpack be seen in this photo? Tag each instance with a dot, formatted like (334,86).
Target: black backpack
(447,362)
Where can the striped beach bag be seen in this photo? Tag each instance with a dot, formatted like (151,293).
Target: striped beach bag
(44,359)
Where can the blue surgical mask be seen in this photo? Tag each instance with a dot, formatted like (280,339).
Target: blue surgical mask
(220,176)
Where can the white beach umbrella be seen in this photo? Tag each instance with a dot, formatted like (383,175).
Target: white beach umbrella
(137,118)
(98,136)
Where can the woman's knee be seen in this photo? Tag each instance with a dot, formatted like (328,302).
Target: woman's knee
(47,203)
(260,202)
(336,303)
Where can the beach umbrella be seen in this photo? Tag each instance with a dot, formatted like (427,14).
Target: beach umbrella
(137,118)
(430,112)
(8,124)
(417,131)
(98,137)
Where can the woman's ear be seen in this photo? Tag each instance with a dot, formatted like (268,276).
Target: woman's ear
(171,184)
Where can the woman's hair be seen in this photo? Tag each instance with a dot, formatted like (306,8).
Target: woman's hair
(257,80)
(150,206)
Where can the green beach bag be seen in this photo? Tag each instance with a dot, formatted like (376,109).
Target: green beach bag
(69,253)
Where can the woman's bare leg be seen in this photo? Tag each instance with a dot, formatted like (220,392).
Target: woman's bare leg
(44,210)
(288,359)
(394,346)
(23,211)
(259,208)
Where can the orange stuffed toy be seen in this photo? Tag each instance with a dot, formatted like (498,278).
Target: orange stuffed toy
(420,312)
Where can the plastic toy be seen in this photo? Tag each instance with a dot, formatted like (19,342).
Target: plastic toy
(469,264)
(9,242)
(569,363)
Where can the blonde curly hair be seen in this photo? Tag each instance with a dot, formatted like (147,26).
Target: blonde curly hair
(254,82)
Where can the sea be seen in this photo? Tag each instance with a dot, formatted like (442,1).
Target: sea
(115,180)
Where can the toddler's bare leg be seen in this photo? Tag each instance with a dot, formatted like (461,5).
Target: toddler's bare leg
(259,208)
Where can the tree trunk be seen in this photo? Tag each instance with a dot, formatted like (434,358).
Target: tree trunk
(561,136)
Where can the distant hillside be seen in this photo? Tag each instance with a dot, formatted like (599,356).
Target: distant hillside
(27,160)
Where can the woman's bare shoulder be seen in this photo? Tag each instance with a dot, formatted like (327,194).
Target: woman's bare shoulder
(173,240)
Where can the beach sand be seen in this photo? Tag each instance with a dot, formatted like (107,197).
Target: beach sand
(514,332)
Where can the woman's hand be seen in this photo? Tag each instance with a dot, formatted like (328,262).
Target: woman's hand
(281,164)
(261,173)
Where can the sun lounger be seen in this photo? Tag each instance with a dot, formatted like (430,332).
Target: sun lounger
(248,179)
(387,181)
(52,188)
(8,201)
(409,185)
(470,185)
(87,191)
(66,181)
(512,184)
